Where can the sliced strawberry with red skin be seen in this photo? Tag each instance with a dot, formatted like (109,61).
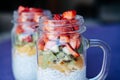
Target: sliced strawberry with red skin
(64,38)
(41,45)
(73,43)
(74,36)
(20,9)
(63,18)
(73,21)
(19,30)
(56,17)
(78,43)
(26,10)
(35,10)
(69,14)
(72,51)
(45,38)
(28,39)
(36,16)
(76,27)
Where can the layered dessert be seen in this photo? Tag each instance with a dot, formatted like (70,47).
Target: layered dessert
(60,48)
(24,36)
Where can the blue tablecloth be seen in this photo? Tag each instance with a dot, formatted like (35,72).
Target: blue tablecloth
(108,33)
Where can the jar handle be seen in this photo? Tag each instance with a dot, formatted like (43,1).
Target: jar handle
(106,58)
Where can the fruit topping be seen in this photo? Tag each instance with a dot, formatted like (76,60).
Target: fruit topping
(69,14)
(19,30)
(57,17)
(72,51)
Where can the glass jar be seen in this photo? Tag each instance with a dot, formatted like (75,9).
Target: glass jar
(24,36)
(62,50)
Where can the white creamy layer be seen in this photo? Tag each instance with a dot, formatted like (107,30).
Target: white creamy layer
(24,66)
(51,74)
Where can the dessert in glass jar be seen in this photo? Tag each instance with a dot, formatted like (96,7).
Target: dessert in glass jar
(24,36)
(62,48)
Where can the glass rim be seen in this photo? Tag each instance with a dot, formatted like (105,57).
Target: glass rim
(81,30)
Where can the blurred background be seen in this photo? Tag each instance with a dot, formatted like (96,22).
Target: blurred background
(103,15)
(94,11)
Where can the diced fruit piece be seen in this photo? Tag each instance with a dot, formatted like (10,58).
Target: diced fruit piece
(20,9)
(79,63)
(76,64)
(76,27)
(49,45)
(26,9)
(58,29)
(25,16)
(41,45)
(74,36)
(72,51)
(52,36)
(56,17)
(45,38)
(48,58)
(65,50)
(67,58)
(37,16)
(63,18)
(19,30)
(73,43)
(69,14)
(55,48)
(68,29)
(26,49)
(60,55)
(78,43)
(25,37)
(35,10)
(28,28)
(23,9)
(29,14)
(73,21)
(64,38)
(48,28)
(28,39)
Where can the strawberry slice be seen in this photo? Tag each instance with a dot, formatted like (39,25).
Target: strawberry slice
(69,14)
(49,45)
(20,9)
(35,10)
(56,17)
(74,35)
(23,9)
(19,30)
(73,43)
(64,38)
(28,39)
(78,43)
(41,45)
(76,27)
(26,10)
(52,36)
(72,51)
(45,38)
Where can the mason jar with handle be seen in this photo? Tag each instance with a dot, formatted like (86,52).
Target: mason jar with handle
(62,49)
